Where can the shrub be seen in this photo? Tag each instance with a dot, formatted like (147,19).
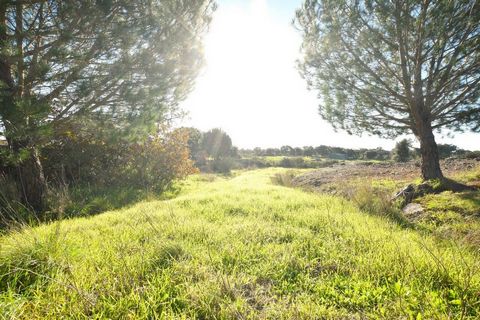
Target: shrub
(94,161)
(401,152)
(217,143)
(296,162)
(150,164)
(446,150)
(370,155)
(472,155)
(222,165)
(156,163)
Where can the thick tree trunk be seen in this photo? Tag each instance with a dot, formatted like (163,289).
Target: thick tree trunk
(424,133)
(429,150)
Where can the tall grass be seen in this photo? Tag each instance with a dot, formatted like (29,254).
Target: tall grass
(13,213)
(237,248)
(284,178)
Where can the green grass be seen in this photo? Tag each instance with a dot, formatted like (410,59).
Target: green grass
(452,215)
(449,215)
(298,162)
(86,201)
(236,248)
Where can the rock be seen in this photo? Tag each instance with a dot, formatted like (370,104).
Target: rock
(412,210)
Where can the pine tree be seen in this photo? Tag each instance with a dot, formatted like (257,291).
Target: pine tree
(127,62)
(395,67)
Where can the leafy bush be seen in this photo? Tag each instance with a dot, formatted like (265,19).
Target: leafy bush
(217,143)
(401,152)
(150,164)
(472,155)
(102,163)
(446,150)
(296,162)
(222,165)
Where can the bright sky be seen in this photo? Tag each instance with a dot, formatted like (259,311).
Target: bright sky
(252,90)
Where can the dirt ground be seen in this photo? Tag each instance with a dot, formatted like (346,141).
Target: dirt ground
(386,170)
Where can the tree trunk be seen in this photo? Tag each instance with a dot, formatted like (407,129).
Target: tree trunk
(32,182)
(29,175)
(428,148)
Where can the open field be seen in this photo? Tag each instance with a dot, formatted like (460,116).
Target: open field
(284,162)
(237,247)
(394,171)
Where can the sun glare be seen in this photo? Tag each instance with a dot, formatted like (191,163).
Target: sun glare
(250,66)
(251,88)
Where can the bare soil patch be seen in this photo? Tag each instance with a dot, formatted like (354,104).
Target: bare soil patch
(383,170)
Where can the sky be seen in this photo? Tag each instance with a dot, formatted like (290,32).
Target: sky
(251,89)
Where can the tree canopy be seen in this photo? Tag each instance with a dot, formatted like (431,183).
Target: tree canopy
(394,67)
(125,62)
(217,143)
(122,59)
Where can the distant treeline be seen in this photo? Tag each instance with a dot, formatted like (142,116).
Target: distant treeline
(338,153)
(213,151)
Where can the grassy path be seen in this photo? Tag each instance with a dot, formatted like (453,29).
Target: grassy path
(235,248)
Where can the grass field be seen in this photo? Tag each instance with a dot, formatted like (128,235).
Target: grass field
(237,247)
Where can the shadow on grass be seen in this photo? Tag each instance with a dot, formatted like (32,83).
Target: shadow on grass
(447,184)
(86,201)
(473,198)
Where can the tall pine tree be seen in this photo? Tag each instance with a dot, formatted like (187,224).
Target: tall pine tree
(395,67)
(124,61)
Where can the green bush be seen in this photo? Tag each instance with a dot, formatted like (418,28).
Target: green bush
(222,165)
(149,164)
(472,155)
(297,162)
(401,152)
(92,161)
